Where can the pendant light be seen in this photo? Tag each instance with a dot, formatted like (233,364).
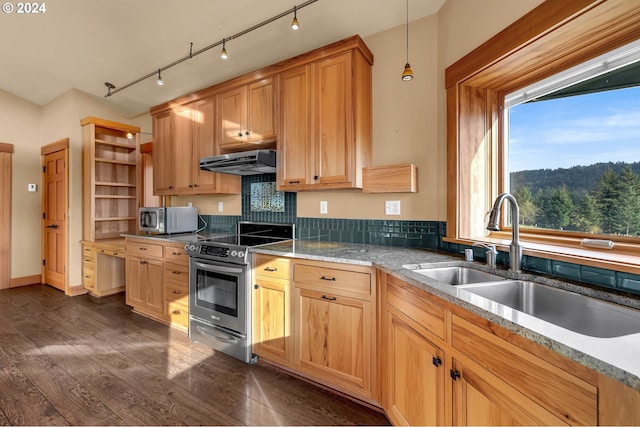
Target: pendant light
(223,52)
(295,24)
(159,82)
(407,74)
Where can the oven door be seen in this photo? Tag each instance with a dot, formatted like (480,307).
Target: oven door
(218,294)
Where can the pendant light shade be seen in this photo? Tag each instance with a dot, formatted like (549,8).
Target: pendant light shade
(407,74)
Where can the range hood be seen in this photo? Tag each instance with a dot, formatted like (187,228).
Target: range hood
(244,163)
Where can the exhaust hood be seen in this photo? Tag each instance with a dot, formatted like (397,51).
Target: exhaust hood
(244,163)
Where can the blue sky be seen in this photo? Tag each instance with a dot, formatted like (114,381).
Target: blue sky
(576,131)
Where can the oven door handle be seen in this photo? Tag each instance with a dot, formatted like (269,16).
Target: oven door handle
(217,268)
(228,338)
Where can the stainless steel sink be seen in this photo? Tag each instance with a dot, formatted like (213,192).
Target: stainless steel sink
(457,275)
(578,313)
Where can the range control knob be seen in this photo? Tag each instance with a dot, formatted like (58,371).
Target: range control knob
(186,247)
(190,248)
(240,254)
(234,253)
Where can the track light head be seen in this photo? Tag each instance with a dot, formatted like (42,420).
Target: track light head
(294,23)
(109,87)
(223,52)
(407,74)
(159,82)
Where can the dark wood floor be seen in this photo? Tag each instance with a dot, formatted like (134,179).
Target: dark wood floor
(88,361)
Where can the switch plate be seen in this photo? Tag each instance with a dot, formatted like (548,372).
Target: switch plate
(32,188)
(392,207)
(220,206)
(323,207)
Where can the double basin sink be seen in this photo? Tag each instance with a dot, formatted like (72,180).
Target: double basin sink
(569,310)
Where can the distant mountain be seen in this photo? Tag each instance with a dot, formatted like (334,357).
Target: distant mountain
(578,179)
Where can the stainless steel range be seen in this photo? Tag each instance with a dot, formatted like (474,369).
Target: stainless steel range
(220,288)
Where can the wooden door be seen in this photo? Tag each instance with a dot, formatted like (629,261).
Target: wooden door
(163,154)
(334,337)
(261,123)
(55,189)
(271,333)
(333,130)
(296,138)
(232,117)
(481,399)
(416,376)
(6,151)
(184,153)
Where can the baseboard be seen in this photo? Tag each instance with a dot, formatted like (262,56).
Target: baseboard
(24,281)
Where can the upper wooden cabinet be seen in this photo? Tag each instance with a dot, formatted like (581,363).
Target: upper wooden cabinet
(182,136)
(315,109)
(325,138)
(111,180)
(246,116)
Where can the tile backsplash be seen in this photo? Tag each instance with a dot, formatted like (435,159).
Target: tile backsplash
(407,234)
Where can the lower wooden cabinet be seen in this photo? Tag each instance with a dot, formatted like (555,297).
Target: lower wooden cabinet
(416,376)
(103,266)
(272,319)
(144,285)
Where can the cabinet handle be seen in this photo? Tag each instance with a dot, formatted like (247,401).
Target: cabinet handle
(240,134)
(101,251)
(294,182)
(316,177)
(247,133)
(330,279)
(176,292)
(329,298)
(256,286)
(176,253)
(436,361)
(115,254)
(143,249)
(175,272)
(176,312)
(87,277)
(196,185)
(143,262)
(454,374)
(270,269)
(190,185)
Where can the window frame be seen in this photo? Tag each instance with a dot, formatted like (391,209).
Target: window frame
(553,37)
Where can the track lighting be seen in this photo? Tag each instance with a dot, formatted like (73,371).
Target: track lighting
(159,82)
(223,52)
(111,89)
(129,135)
(407,74)
(295,24)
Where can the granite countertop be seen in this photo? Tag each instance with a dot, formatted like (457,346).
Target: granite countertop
(615,357)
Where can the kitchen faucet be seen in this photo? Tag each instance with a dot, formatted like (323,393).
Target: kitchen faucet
(515,250)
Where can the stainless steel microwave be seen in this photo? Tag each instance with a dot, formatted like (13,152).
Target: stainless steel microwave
(169,220)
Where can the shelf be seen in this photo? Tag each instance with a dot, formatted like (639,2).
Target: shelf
(115,184)
(115,162)
(122,218)
(116,144)
(110,196)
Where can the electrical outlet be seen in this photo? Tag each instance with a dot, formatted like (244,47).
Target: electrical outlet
(220,206)
(323,207)
(392,207)
(32,188)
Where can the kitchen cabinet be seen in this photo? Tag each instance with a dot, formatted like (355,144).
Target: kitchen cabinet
(246,116)
(272,334)
(111,178)
(183,136)
(103,266)
(326,122)
(176,285)
(144,285)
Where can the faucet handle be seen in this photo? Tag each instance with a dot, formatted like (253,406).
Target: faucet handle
(491,253)
(489,247)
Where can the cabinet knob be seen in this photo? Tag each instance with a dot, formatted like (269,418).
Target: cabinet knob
(190,185)
(454,374)
(240,134)
(115,254)
(256,286)
(316,177)
(247,133)
(436,361)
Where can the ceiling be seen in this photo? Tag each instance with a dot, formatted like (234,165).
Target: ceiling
(82,44)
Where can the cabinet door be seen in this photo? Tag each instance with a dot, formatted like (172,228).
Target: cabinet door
(481,399)
(154,295)
(333,145)
(135,276)
(232,112)
(334,337)
(163,154)
(296,138)
(271,314)
(416,376)
(184,153)
(260,114)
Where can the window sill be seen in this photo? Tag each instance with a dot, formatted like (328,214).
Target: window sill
(624,257)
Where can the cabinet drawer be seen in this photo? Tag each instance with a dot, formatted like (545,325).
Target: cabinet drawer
(176,273)
(176,254)
(414,303)
(564,395)
(178,314)
(88,276)
(87,250)
(176,293)
(333,278)
(267,266)
(144,250)
(88,259)
(112,252)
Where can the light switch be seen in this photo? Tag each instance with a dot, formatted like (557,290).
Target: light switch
(392,207)
(32,188)
(323,207)
(220,206)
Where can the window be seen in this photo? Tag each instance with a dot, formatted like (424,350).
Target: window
(572,154)
(481,105)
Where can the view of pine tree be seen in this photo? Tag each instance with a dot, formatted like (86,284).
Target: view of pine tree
(610,206)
